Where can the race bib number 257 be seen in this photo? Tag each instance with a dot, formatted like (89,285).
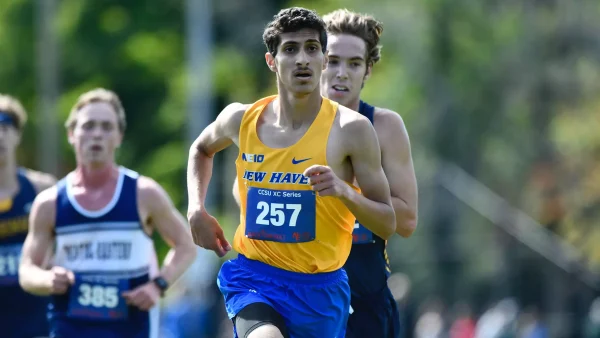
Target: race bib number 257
(286,216)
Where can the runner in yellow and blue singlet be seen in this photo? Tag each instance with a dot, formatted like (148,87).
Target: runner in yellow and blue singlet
(299,154)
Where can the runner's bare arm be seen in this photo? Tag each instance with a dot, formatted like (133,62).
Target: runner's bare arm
(219,135)
(33,278)
(398,167)
(372,207)
(171,226)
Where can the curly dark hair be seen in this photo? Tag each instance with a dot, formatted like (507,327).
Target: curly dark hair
(292,20)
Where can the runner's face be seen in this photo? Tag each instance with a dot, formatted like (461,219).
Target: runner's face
(346,71)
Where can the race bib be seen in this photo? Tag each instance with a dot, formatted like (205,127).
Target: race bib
(98,298)
(286,216)
(361,235)
(9,264)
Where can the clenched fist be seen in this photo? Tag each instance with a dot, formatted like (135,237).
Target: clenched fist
(207,232)
(61,280)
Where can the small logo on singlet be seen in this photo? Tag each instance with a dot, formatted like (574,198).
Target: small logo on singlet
(257,158)
(294,161)
(27,208)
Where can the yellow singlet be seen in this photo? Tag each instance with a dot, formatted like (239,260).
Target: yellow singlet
(284,223)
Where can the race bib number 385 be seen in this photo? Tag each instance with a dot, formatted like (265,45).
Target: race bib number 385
(286,216)
(98,298)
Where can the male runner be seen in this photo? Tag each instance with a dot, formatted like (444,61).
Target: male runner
(100,218)
(24,315)
(353,49)
(299,153)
